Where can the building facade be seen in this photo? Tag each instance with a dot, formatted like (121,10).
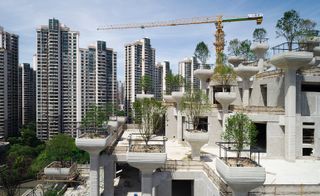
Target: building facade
(57,70)
(139,61)
(162,70)
(27,94)
(98,77)
(186,69)
(9,101)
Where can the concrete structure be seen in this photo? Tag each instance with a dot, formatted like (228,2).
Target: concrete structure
(27,93)
(9,101)
(98,77)
(58,72)
(186,69)
(139,61)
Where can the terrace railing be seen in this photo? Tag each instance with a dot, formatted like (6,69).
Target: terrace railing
(296,46)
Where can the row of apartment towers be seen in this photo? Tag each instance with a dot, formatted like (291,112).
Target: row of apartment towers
(67,80)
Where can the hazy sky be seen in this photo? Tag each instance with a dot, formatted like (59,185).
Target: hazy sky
(172,43)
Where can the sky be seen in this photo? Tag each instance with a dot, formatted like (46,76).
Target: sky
(22,17)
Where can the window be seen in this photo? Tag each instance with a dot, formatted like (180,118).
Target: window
(307,136)
(310,87)
(264,94)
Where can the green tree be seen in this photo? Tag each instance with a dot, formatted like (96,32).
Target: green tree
(148,114)
(223,74)
(292,27)
(61,148)
(202,53)
(173,82)
(240,130)
(195,104)
(259,34)
(95,117)
(240,48)
(146,84)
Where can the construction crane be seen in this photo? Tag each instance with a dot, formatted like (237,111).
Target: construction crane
(217,20)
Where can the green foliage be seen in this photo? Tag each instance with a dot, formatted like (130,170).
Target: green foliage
(241,130)
(195,104)
(96,116)
(259,34)
(202,52)
(173,82)
(148,114)
(241,48)
(146,84)
(224,75)
(294,28)
(61,148)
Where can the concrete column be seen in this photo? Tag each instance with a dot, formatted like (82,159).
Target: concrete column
(290,108)
(246,96)
(94,174)
(109,172)
(165,188)
(179,123)
(260,65)
(146,183)
(234,193)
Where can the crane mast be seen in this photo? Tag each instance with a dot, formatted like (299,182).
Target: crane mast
(217,20)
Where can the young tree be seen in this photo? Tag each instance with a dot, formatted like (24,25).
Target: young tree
(292,27)
(233,47)
(148,114)
(259,34)
(240,48)
(173,82)
(146,84)
(240,130)
(195,104)
(223,74)
(95,117)
(202,53)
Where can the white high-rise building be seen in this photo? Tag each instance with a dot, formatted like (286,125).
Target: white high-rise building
(57,71)
(186,69)
(9,98)
(139,61)
(162,69)
(98,77)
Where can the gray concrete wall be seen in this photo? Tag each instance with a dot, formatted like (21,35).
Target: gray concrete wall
(171,122)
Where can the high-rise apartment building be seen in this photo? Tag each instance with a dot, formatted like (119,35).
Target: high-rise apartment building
(57,71)
(98,77)
(121,95)
(9,101)
(161,71)
(186,69)
(27,94)
(139,61)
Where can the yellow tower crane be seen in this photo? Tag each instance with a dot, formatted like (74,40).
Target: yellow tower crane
(217,20)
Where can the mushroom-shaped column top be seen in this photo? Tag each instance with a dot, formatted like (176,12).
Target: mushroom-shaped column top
(203,74)
(168,98)
(177,96)
(225,98)
(316,51)
(292,60)
(235,60)
(260,49)
(245,72)
(144,96)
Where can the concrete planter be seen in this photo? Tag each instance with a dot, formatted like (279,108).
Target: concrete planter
(144,96)
(203,74)
(245,72)
(260,49)
(57,171)
(235,60)
(92,145)
(241,179)
(122,119)
(225,99)
(177,96)
(196,140)
(146,162)
(168,98)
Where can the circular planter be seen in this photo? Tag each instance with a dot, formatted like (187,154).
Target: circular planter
(235,60)
(203,74)
(260,49)
(245,72)
(177,96)
(292,60)
(241,179)
(196,140)
(225,99)
(144,96)
(168,98)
